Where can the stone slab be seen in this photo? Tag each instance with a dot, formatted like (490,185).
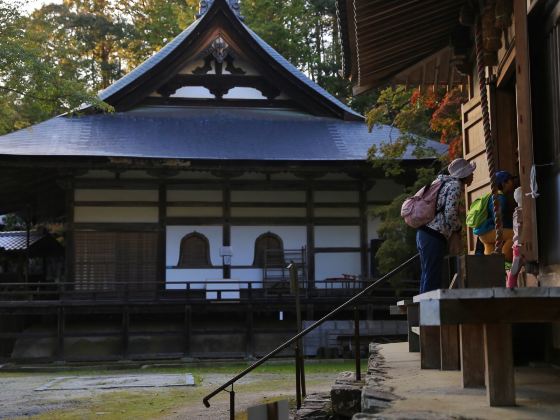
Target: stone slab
(68,383)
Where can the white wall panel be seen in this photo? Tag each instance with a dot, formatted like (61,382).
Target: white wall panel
(267,212)
(248,274)
(335,265)
(194,212)
(115,214)
(243,240)
(268,196)
(336,196)
(337,236)
(194,195)
(115,195)
(191,275)
(176,233)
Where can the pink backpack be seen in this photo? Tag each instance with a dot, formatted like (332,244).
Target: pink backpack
(420,209)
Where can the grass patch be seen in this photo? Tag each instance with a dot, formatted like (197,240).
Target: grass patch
(203,368)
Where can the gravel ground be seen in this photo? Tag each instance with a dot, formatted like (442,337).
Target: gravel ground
(19,398)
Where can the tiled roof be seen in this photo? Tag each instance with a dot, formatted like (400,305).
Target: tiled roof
(202,133)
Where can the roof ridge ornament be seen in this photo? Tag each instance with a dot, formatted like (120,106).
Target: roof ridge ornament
(204,5)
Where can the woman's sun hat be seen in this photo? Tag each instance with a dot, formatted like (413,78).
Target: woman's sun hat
(461,168)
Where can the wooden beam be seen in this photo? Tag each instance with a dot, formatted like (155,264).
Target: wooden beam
(525,129)
(449,345)
(162,236)
(472,355)
(310,233)
(498,354)
(69,234)
(430,351)
(364,246)
(61,328)
(226,227)
(187,331)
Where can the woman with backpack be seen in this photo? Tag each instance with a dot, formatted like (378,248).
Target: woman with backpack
(431,238)
(486,230)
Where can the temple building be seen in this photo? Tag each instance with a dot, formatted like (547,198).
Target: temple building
(221,164)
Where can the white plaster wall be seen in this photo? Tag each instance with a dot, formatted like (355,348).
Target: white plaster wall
(243,240)
(244,93)
(115,195)
(194,211)
(194,195)
(337,236)
(267,212)
(268,196)
(337,212)
(176,233)
(191,275)
(248,274)
(335,265)
(115,214)
(336,196)
(198,92)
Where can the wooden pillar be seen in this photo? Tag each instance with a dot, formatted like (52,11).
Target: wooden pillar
(449,346)
(310,226)
(498,355)
(226,229)
(413,320)
(162,238)
(472,355)
(430,352)
(525,128)
(187,329)
(69,232)
(250,336)
(125,331)
(363,232)
(60,332)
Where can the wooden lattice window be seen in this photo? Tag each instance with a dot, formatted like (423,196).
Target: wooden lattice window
(269,251)
(114,260)
(194,251)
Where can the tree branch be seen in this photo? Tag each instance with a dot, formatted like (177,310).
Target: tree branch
(5,88)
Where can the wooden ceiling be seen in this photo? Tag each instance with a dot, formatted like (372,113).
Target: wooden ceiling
(404,41)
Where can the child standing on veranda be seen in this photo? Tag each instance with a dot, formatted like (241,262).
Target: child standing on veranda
(517,261)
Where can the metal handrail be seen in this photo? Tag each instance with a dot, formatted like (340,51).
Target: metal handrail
(206,399)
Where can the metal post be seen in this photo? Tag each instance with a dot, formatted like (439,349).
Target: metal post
(302,374)
(298,379)
(357,343)
(232,404)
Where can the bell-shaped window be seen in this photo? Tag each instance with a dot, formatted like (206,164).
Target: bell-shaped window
(269,251)
(194,251)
